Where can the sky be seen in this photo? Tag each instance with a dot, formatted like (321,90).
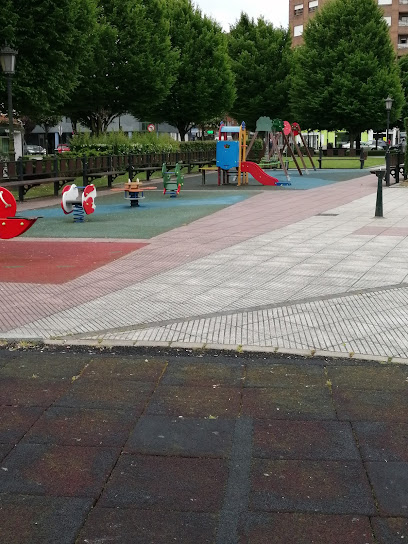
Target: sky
(227,12)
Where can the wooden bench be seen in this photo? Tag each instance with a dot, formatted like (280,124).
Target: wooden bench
(205,169)
(226,174)
(395,171)
(111,175)
(25,185)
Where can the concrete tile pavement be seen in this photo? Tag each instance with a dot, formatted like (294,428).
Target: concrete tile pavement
(318,255)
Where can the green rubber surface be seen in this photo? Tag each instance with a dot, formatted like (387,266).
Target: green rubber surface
(115,218)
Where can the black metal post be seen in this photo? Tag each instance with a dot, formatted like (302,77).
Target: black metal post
(387,153)
(379,201)
(320,157)
(130,168)
(12,153)
(362,158)
(84,171)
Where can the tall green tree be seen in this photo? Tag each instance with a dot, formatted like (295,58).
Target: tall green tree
(403,65)
(345,69)
(53,40)
(261,61)
(204,86)
(132,68)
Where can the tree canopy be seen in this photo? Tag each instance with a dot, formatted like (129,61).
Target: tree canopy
(204,85)
(261,61)
(403,65)
(52,39)
(132,68)
(345,69)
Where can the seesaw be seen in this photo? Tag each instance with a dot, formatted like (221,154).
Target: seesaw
(11,226)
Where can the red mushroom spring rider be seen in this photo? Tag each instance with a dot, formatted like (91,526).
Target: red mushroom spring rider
(73,202)
(11,226)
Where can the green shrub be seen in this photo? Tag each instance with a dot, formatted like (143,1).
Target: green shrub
(198,145)
(118,143)
(257,150)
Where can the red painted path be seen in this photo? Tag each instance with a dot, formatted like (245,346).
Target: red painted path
(54,262)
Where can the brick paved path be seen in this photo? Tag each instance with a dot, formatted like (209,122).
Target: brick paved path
(222,450)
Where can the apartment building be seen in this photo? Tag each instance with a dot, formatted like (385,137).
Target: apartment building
(395,14)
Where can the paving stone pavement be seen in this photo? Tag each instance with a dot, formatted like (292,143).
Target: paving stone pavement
(311,270)
(142,447)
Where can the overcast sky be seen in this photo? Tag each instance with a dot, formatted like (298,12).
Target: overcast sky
(227,12)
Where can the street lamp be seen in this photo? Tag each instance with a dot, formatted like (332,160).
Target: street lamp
(8,64)
(388,106)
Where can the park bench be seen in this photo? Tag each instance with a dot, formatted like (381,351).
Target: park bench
(397,168)
(340,153)
(24,174)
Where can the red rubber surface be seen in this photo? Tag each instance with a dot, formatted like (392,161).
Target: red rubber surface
(56,262)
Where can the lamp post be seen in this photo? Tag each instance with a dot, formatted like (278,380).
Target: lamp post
(8,64)
(388,106)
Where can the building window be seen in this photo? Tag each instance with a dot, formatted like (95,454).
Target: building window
(403,41)
(387,20)
(299,9)
(4,143)
(298,30)
(313,5)
(403,19)
(384,2)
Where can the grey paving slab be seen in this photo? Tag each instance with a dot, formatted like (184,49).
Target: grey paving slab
(390,483)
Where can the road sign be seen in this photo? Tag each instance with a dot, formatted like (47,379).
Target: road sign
(151,128)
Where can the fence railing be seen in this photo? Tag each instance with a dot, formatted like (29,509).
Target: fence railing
(26,173)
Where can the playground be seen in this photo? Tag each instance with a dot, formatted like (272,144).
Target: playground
(101,226)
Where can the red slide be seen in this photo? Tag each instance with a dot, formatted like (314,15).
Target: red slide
(258,174)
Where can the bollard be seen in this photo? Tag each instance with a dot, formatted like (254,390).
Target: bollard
(379,201)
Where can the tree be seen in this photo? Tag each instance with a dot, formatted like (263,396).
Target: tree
(204,86)
(52,39)
(345,69)
(261,61)
(403,65)
(132,68)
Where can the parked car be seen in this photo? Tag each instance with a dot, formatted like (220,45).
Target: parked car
(371,144)
(377,145)
(62,148)
(35,150)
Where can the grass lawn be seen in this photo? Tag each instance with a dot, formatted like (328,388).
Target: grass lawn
(340,162)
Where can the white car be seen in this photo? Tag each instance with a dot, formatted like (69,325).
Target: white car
(366,145)
(35,150)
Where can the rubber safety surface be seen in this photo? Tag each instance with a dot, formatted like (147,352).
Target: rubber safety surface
(56,262)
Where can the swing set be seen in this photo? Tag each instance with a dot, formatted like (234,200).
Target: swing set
(275,131)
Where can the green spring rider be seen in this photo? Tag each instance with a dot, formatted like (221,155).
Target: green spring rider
(172,181)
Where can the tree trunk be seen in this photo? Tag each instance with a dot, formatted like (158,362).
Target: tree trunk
(182,132)
(352,138)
